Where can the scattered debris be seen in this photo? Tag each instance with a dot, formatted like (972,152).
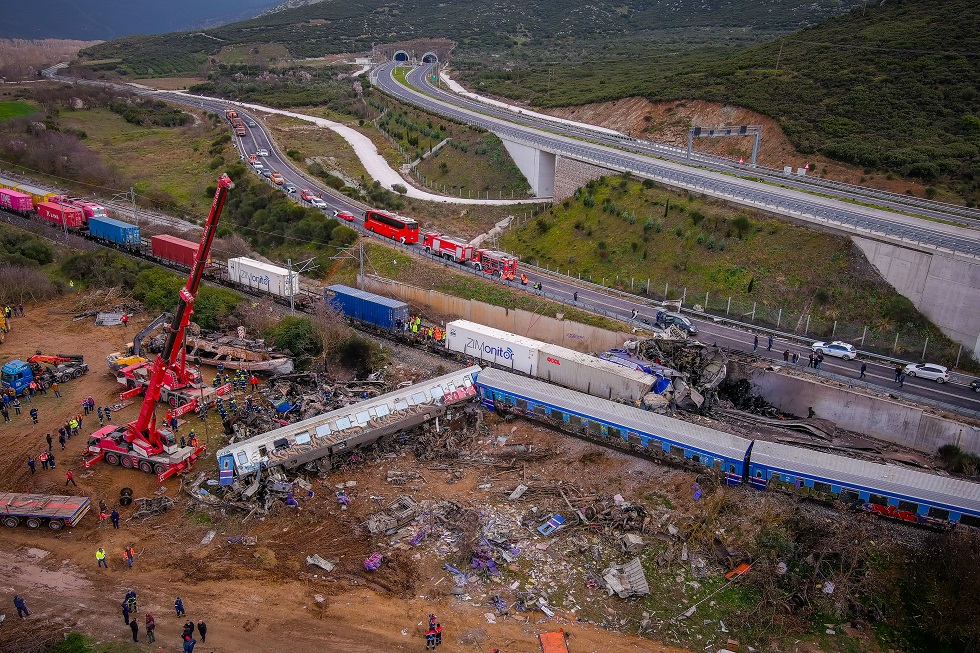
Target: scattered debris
(149,507)
(326,565)
(626,580)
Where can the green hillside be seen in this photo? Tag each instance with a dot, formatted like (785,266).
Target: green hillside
(496,28)
(893,86)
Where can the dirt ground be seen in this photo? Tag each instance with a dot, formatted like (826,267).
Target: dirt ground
(258,598)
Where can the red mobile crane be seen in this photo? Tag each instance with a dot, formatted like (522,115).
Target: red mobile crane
(140,444)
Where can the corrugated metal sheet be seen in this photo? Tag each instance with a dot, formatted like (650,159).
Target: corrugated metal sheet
(627,417)
(861,474)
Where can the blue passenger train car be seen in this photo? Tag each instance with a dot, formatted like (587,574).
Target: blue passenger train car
(887,490)
(614,423)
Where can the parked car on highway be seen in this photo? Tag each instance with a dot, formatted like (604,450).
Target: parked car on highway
(318,203)
(929,371)
(290,188)
(266,173)
(263,152)
(975,385)
(307,194)
(251,123)
(836,348)
(344,215)
(665,319)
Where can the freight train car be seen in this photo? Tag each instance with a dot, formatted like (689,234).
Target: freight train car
(113,231)
(37,193)
(263,276)
(174,249)
(16,201)
(367,307)
(332,435)
(549,362)
(63,216)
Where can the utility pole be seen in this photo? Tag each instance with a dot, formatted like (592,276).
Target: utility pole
(304,266)
(360,277)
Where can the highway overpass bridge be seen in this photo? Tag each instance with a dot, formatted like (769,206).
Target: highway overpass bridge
(936,264)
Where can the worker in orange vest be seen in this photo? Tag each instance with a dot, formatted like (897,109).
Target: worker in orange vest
(254,382)
(523,279)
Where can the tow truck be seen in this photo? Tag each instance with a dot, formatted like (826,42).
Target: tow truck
(18,375)
(141,444)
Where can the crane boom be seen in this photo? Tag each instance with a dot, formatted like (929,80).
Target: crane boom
(144,426)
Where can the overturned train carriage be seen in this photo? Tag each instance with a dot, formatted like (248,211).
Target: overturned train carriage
(333,434)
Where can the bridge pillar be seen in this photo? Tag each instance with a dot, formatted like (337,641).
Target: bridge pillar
(537,165)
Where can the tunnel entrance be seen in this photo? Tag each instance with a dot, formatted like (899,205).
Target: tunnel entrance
(430,57)
(401,56)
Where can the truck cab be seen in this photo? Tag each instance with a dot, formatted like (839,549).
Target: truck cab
(16,375)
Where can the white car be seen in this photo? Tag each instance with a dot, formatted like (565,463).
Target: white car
(263,152)
(930,371)
(318,203)
(836,348)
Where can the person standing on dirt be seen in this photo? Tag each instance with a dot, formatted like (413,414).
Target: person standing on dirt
(179,607)
(51,460)
(189,628)
(49,440)
(100,557)
(16,404)
(438,634)
(5,413)
(430,639)
(125,611)
(30,464)
(136,629)
(33,413)
(189,643)
(130,555)
(21,606)
(150,627)
(61,441)
(125,320)
(57,389)
(70,478)
(114,516)
(202,628)
(44,459)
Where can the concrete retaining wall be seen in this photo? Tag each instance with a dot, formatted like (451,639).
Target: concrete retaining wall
(946,288)
(876,417)
(574,335)
(571,174)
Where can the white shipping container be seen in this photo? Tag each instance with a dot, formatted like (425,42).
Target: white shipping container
(262,276)
(590,374)
(490,345)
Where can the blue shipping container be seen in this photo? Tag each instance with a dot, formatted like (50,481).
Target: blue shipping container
(365,306)
(115,231)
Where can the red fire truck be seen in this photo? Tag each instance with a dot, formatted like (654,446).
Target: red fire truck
(447,248)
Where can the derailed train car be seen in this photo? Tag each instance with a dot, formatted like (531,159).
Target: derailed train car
(332,435)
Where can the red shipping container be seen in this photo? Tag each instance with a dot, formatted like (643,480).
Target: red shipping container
(174,249)
(15,200)
(60,215)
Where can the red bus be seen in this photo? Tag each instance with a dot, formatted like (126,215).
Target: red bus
(392,226)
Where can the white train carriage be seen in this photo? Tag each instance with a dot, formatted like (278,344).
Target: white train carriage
(335,433)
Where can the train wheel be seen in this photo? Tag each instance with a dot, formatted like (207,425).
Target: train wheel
(159,468)
(56,524)
(10,522)
(33,522)
(112,459)
(146,467)
(125,501)
(127,462)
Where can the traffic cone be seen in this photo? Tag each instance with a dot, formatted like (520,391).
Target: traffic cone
(741,160)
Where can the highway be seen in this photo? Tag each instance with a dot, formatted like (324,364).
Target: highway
(880,374)
(829,212)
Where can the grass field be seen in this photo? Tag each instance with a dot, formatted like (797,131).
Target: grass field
(15,109)
(162,162)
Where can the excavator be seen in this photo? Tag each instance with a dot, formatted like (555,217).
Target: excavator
(134,351)
(141,444)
